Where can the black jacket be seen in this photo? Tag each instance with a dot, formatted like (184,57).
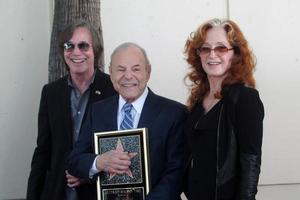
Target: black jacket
(54,142)
(240,124)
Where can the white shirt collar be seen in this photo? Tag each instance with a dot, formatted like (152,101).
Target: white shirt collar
(137,104)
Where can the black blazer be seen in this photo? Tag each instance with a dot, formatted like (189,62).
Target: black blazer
(54,141)
(238,146)
(164,119)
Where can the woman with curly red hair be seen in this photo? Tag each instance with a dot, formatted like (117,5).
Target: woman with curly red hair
(225,125)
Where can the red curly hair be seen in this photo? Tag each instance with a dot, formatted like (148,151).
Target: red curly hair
(242,65)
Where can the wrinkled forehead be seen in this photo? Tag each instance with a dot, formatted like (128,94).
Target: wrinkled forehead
(129,56)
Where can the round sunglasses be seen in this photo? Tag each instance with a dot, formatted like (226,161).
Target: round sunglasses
(70,46)
(219,50)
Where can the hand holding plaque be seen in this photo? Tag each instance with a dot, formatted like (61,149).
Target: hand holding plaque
(124,163)
(114,161)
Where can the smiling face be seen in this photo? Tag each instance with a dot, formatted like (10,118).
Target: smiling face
(216,64)
(80,61)
(129,73)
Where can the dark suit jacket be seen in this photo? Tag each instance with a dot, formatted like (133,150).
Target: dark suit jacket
(164,119)
(54,142)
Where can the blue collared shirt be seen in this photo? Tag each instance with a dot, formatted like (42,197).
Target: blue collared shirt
(78,106)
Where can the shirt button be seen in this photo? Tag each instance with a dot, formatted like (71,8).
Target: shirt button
(78,112)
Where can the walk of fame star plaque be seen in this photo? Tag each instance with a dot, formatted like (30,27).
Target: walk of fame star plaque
(134,183)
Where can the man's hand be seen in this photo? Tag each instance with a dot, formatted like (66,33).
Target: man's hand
(114,161)
(73,181)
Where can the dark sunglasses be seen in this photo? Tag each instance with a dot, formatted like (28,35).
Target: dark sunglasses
(219,50)
(70,46)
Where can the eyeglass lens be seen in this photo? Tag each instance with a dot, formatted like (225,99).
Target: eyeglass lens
(220,50)
(82,46)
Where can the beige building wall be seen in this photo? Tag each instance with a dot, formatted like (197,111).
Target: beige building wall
(24,46)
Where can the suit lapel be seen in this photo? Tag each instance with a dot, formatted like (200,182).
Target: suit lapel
(66,110)
(111,114)
(96,88)
(150,111)
(96,91)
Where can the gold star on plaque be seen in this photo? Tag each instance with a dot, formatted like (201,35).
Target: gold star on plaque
(120,147)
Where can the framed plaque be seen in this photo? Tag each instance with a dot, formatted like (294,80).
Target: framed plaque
(133,184)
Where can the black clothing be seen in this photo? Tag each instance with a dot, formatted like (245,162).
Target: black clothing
(204,147)
(55,138)
(224,147)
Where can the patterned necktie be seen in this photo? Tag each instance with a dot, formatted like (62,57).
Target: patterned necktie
(127,122)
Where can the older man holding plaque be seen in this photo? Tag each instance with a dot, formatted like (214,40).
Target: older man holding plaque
(136,106)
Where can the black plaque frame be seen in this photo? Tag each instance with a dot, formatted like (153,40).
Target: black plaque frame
(135,183)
